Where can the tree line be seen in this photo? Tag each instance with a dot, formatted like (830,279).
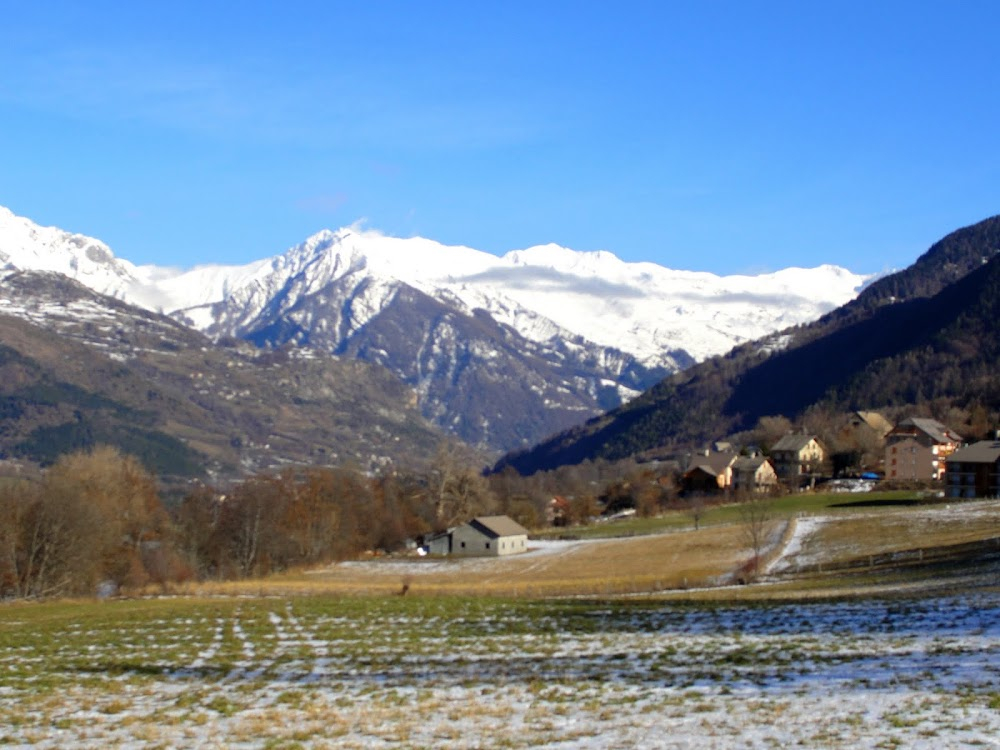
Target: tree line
(95,520)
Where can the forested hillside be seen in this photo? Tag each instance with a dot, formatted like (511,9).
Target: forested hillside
(925,334)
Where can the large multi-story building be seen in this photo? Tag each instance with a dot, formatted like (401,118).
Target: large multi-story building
(974,471)
(917,449)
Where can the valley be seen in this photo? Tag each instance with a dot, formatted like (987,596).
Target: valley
(501,376)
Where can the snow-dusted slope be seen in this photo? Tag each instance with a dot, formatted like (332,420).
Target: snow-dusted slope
(502,351)
(542,292)
(646,309)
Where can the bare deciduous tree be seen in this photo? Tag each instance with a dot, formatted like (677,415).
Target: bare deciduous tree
(457,490)
(696,509)
(756,514)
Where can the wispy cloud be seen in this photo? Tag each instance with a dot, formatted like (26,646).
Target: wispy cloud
(258,100)
(527,277)
(741,298)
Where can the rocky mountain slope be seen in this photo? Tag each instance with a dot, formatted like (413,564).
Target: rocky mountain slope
(78,368)
(928,332)
(501,351)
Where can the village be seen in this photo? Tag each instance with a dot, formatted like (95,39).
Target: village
(917,453)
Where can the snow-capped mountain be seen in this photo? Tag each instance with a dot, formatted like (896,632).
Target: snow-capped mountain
(538,338)
(545,292)
(643,309)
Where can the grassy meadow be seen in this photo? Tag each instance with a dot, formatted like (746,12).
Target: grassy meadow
(594,643)
(455,671)
(665,555)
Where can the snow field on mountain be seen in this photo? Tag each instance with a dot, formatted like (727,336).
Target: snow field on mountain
(442,672)
(543,292)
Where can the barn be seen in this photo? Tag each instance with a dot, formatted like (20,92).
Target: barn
(489,536)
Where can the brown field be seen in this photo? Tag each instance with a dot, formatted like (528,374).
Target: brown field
(554,642)
(689,563)
(845,538)
(589,567)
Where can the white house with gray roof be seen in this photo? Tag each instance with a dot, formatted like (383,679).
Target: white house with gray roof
(754,474)
(485,536)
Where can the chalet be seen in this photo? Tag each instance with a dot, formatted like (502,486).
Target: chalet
(871,420)
(709,472)
(489,536)
(754,474)
(862,444)
(796,458)
(974,471)
(918,449)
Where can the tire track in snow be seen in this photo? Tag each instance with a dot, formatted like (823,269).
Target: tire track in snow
(803,528)
(208,653)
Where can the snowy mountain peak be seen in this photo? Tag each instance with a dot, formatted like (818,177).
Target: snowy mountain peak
(500,350)
(542,292)
(25,245)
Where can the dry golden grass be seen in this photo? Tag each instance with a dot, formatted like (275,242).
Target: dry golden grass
(674,561)
(603,567)
(847,538)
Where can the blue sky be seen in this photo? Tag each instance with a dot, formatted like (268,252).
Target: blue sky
(722,136)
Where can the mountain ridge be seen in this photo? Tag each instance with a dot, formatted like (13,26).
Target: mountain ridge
(458,269)
(922,334)
(583,331)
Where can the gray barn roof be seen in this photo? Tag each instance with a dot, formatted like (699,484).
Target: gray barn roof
(749,463)
(498,526)
(714,463)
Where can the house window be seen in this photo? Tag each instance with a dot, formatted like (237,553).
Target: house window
(487,545)
(463,545)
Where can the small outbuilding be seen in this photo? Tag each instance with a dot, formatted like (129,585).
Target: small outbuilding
(438,544)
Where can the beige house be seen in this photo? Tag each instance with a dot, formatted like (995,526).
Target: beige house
(754,474)
(796,458)
(709,472)
(917,449)
(871,420)
(489,536)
